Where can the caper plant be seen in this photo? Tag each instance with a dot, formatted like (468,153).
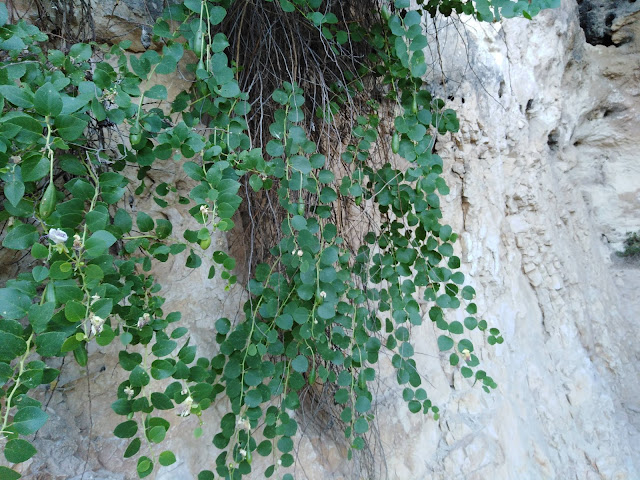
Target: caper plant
(317,312)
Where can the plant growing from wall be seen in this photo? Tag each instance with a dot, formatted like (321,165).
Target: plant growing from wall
(631,246)
(322,306)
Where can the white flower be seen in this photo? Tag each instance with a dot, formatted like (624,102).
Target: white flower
(300,253)
(242,452)
(467,354)
(97,323)
(77,241)
(186,407)
(95,298)
(323,294)
(143,320)
(244,423)
(129,391)
(204,210)
(184,391)
(57,236)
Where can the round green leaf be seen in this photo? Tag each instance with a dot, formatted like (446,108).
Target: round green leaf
(445,343)
(363,404)
(253,398)
(18,451)
(167,458)
(5,472)
(20,237)
(300,364)
(47,100)
(285,444)
(28,420)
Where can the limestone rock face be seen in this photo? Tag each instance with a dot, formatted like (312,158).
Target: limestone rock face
(545,180)
(598,18)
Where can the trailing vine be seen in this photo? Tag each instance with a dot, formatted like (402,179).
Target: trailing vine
(323,305)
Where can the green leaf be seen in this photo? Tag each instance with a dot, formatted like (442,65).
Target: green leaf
(70,127)
(39,251)
(161,401)
(139,377)
(162,369)
(167,458)
(300,364)
(144,222)
(299,222)
(163,228)
(122,220)
(29,420)
(75,311)
(70,344)
(465,344)
(256,182)
(361,425)
(11,346)
(156,434)
(219,43)
(275,147)
(229,89)
(48,344)
(98,218)
(5,472)
(264,448)
(14,304)
(405,349)
(158,92)
(363,404)
(223,325)
(18,451)
(193,5)
(193,260)
(301,164)
(216,14)
(445,343)
(21,237)
(34,168)
(98,243)
(456,327)
(470,323)
(129,361)
(81,52)
(285,444)
(20,97)
(468,293)
(14,190)
(126,429)
(4,16)
(132,448)
(39,316)
(253,398)
(47,100)
(164,347)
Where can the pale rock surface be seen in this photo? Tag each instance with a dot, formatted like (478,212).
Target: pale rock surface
(545,183)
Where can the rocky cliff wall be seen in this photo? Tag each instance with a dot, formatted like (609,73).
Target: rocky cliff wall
(545,180)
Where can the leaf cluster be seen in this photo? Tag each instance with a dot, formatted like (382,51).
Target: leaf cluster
(318,314)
